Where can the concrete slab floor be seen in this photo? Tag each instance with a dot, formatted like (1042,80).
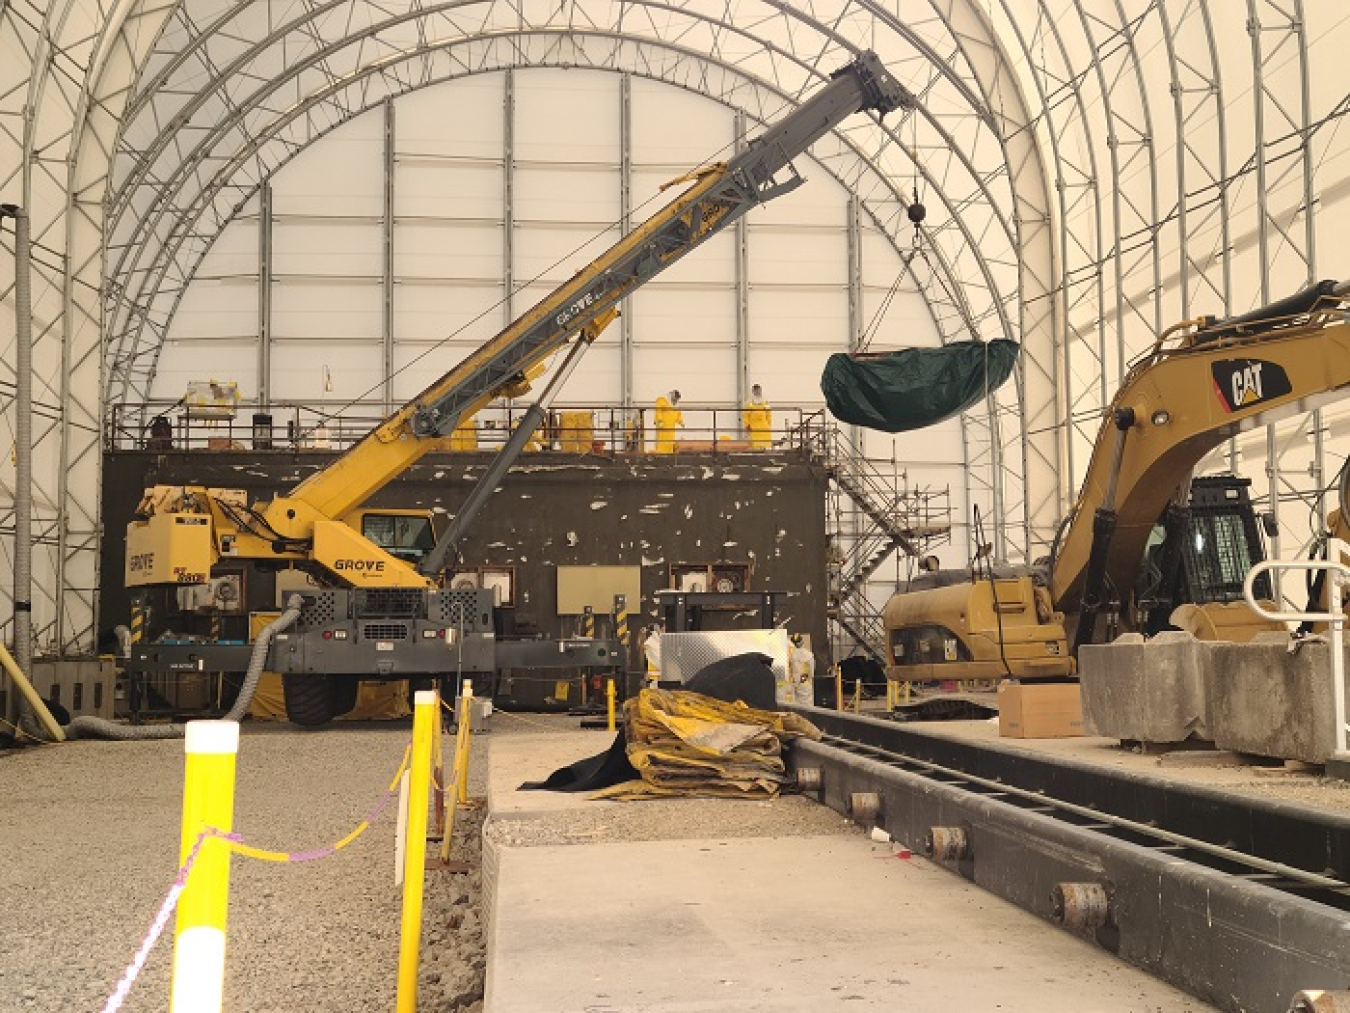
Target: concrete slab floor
(730,922)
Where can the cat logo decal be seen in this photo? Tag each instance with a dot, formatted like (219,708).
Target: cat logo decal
(1245,383)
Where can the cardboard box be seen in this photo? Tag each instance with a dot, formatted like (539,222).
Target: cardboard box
(1048,710)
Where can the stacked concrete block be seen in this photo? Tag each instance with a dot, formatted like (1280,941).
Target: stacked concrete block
(1146,691)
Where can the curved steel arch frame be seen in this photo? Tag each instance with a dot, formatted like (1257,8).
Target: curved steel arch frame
(1016,251)
(1071,236)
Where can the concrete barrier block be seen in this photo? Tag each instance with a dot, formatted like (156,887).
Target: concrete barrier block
(1150,691)
(1269,702)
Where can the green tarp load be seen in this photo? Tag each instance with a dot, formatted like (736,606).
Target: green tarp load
(915,387)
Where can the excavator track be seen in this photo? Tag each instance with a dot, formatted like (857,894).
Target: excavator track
(1243,902)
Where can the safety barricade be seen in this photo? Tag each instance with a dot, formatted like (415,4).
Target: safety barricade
(200,890)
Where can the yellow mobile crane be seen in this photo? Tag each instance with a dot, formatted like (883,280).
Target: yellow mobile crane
(1203,382)
(382,613)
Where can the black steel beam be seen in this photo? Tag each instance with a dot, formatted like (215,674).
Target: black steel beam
(1233,941)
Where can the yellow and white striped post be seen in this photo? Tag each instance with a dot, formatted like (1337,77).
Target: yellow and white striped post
(425,707)
(458,774)
(208,802)
(463,742)
(609,698)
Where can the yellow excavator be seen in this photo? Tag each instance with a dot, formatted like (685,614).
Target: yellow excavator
(1203,382)
(379,611)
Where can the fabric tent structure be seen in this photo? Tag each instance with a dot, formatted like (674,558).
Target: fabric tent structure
(1094,172)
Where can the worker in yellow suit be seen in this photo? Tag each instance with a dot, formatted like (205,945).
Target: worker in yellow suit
(668,416)
(757,418)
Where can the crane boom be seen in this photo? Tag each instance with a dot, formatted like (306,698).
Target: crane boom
(718,195)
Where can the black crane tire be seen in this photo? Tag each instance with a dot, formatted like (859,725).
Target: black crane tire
(309,699)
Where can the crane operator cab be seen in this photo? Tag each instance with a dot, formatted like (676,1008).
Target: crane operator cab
(408,535)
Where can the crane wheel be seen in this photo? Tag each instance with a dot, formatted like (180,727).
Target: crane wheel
(309,699)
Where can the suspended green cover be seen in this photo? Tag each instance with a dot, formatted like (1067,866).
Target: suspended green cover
(915,387)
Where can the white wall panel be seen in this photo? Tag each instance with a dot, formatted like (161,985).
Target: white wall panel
(220,359)
(677,315)
(583,194)
(701,378)
(342,176)
(331,247)
(792,255)
(459,120)
(463,251)
(782,317)
(326,311)
(789,376)
(676,128)
(567,116)
(820,201)
(226,309)
(554,253)
(439,188)
(235,251)
(434,311)
(333,373)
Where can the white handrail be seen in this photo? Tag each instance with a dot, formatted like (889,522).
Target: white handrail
(1337,580)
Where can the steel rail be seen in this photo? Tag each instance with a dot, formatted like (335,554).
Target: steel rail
(1103,818)
(1242,902)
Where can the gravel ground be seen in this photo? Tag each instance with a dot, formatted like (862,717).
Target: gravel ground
(89,831)
(89,835)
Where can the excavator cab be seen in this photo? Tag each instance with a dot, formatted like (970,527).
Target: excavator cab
(1204,560)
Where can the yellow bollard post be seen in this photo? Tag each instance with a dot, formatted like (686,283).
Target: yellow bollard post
(857,696)
(198,983)
(415,853)
(838,689)
(609,698)
(438,768)
(466,722)
(452,789)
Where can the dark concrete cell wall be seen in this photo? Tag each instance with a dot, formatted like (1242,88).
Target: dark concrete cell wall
(764,509)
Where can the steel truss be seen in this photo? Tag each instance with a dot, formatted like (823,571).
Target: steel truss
(1078,160)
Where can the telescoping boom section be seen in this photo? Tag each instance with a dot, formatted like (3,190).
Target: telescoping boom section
(307,523)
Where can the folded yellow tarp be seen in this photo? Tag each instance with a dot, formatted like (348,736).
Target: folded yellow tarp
(687,744)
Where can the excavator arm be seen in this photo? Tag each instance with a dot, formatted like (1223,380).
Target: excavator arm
(1177,404)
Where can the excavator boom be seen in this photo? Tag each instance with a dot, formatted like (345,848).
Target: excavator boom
(1177,405)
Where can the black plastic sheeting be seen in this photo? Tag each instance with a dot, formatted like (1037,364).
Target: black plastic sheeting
(744,677)
(915,387)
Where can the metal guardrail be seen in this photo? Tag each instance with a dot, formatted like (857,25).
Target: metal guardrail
(168,426)
(1337,580)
